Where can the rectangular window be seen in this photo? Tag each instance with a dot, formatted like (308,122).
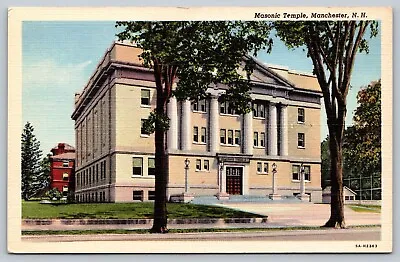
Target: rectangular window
(198,164)
(307,173)
(262,139)
(195,106)
(231,109)
(222,135)
(295,172)
(137,195)
(90,176)
(152,195)
(255,111)
(237,137)
(301,140)
(65,176)
(151,168)
(203,105)
(300,115)
(195,134)
(97,172)
(203,134)
(255,138)
(65,163)
(230,137)
(259,167)
(145,97)
(222,108)
(206,165)
(143,131)
(266,168)
(137,165)
(262,111)
(65,188)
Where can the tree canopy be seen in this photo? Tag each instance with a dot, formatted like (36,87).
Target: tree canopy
(332,47)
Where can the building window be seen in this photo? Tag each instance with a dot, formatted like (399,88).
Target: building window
(65,163)
(97,172)
(266,168)
(222,107)
(227,108)
(198,164)
(145,97)
(237,137)
(195,134)
(259,109)
(151,195)
(300,115)
(222,135)
(203,134)
(301,140)
(259,167)
(137,165)
(151,169)
(90,176)
(143,131)
(230,137)
(137,195)
(65,188)
(296,173)
(206,165)
(65,176)
(307,173)
(255,138)
(200,106)
(262,139)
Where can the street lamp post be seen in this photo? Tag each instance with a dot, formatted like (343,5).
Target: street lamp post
(187,163)
(303,196)
(274,195)
(221,195)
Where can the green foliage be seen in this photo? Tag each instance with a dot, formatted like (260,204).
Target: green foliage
(31,173)
(200,53)
(53,194)
(155,119)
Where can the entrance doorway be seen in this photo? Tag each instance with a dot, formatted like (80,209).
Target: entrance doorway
(234,180)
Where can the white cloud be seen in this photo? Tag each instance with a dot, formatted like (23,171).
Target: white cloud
(48,73)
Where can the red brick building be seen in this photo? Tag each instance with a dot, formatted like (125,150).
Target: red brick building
(62,168)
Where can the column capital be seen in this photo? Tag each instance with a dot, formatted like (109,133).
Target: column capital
(215,92)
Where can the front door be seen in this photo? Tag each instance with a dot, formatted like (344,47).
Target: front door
(234,178)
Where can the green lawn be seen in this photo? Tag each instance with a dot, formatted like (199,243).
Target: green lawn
(35,210)
(366,208)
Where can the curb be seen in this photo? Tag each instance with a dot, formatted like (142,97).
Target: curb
(175,221)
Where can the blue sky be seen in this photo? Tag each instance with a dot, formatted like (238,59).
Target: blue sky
(59,57)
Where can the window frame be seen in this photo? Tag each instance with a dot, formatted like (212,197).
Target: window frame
(259,167)
(195,134)
(143,133)
(65,176)
(255,139)
(262,139)
(230,139)
(203,137)
(151,168)
(222,136)
(65,163)
(198,164)
(133,166)
(301,140)
(142,97)
(206,167)
(301,115)
(237,137)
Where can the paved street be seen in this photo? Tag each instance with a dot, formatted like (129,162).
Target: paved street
(365,234)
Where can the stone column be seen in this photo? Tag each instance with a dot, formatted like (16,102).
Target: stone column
(173,124)
(222,195)
(214,124)
(248,133)
(273,130)
(284,131)
(186,125)
(302,196)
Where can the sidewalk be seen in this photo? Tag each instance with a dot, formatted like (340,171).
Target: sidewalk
(279,215)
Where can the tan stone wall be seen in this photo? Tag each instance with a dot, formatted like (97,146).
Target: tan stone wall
(260,126)
(200,120)
(311,129)
(230,122)
(128,113)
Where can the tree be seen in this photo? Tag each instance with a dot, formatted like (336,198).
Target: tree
(362,141)
(199,54)
(30,163)
(332,47)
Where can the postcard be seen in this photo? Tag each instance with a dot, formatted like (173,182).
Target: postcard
(200,130)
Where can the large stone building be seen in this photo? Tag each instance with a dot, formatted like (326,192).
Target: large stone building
(228,153)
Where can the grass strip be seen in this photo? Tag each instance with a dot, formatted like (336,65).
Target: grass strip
(190,230)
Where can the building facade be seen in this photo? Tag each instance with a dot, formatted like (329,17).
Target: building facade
(229,154)
(62,168)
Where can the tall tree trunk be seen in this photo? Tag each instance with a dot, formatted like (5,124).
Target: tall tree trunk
(336,173)
(161,164)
